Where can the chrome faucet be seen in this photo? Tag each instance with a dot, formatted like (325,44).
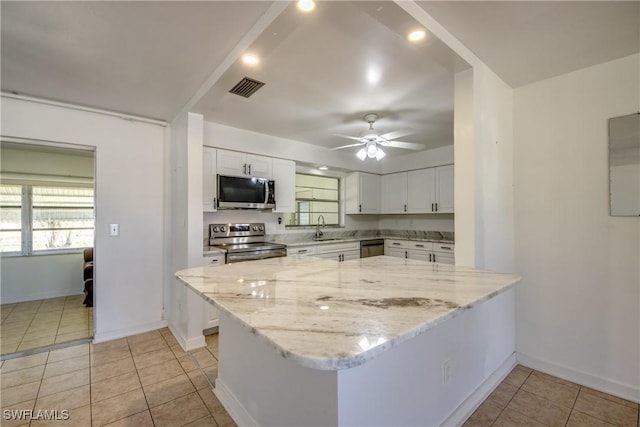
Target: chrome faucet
(319,233)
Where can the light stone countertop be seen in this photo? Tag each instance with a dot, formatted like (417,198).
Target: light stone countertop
(359,239)
(332,315)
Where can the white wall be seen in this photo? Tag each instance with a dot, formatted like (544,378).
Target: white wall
(129,192)
(578,306)
(41,276)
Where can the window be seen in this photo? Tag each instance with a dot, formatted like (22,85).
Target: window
(44,218)
(315,196)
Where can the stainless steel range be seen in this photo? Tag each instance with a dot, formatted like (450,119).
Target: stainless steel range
(244,242)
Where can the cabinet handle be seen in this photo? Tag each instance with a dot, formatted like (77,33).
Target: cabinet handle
(215,260)
(249,169)
(405,208)
(244,169)
(215,199)
(396,243)
(434,257)
(406,254)
(436,207)
(359,208)
(419,246)
(432,205)
(429,257)
(302,251)
(445,247)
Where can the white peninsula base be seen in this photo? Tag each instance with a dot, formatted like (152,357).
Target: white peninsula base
(436,378)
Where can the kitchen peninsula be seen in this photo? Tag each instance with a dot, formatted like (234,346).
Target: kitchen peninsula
(371,341)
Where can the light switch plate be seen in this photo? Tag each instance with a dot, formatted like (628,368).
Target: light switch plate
(114,230)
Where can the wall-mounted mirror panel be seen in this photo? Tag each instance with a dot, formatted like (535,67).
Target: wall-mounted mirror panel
(624,165)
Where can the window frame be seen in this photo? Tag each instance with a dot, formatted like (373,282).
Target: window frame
(26,247)
(338,202)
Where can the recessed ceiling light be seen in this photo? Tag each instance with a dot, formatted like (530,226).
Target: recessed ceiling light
(306,5)
(416,35)
(250,59)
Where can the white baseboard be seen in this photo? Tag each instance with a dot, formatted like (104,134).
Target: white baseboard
(99,337)
(471,403)
(235,410)
(625,391)
(188,343)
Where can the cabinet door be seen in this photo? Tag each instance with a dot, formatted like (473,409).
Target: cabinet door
(420,255)
(352,193)
(444,258)
(369,193)
(209,189)
(421,191)
(259,166)
(301,250)
(347,255)
(231,163)
(394,193)
(284,175)
(444,188)
(396,252)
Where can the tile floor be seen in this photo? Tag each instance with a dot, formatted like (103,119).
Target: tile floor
(142,380)
(40,323)
(148,380)
(531,398)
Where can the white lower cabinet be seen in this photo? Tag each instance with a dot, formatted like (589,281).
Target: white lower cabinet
(442,253)
(210,314)
(338,251)
(396,248)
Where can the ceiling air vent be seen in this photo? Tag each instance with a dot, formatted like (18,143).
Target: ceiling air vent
(246,87)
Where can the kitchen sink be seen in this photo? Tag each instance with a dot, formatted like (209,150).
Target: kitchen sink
(325,240)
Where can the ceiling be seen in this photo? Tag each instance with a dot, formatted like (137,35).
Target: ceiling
(323,71)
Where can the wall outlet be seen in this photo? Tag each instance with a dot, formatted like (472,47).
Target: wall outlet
(114,230)
(446,371)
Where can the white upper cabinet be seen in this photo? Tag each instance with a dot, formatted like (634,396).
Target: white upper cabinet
(362,193)
(284,175)
(235,163)
(393,193)
(421,190)
(444,189)
(209,190)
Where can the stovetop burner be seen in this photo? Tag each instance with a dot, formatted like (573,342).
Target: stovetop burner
(244,242)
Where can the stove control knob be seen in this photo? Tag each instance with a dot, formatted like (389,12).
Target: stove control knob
(261,227)
(215,229)
(254,228)
(223,229)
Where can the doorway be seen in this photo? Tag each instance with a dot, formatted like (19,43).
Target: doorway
(47,217)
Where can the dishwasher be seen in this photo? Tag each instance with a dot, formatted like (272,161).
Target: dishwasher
(371,248)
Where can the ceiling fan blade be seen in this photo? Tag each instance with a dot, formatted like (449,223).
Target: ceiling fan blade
(355,138)
(405,145)
(347,146)
(397,134)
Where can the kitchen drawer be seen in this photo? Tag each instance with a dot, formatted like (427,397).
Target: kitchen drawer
(444,258)
(396,252)
(338,247)
(444,247)
(302,250)
(421,246)
(421,255)
(396,244)
(213,259)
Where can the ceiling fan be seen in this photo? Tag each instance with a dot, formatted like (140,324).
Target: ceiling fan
(371,141)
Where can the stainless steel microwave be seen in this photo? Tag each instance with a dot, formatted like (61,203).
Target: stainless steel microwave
(237,192)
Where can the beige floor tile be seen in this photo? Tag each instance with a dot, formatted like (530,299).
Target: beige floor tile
(72,336)
(207,421)
(518,376)
(16,417)
(160,372)
(118,344)
(170,339)
(142,419)
(178,351)
(64,382)
(84,326)
(38,335)
(204,358)
(485,415)
(606,410)
(118,407)
(153,357)
(139,338)
(78,417)
(140,347)
(20,393)
(198,380)
(180,411)
(30,345)
(8,347)
(511,418)
(579,419)
(66,365)
(554,391)
(187,363)
(23,376)
(503,394)
(51,308)
(540,409)
(112,369)
(68,353)
(68,399)
(615,399)
(25,362)
(111,387)
(215,407)
(109,356)
(168,390)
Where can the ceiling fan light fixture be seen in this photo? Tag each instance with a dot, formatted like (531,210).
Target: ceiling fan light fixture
(306,6)
(380,154)
(372,149)
(362,154)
